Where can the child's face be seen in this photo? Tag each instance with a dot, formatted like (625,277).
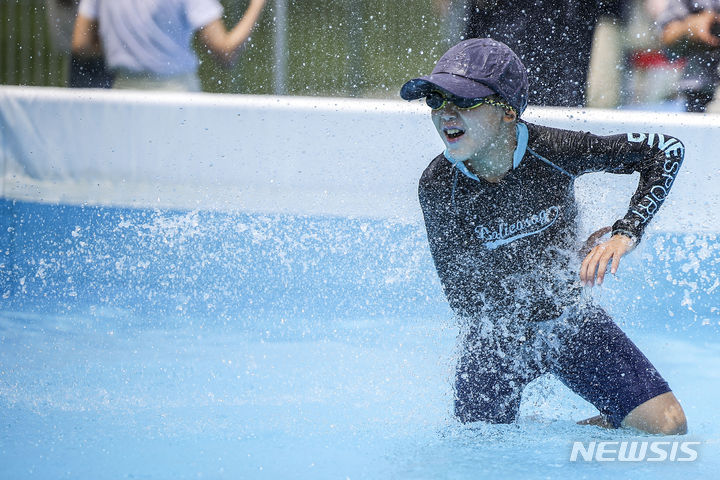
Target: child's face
(468,131)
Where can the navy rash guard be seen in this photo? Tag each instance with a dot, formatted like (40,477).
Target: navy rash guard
(510,248)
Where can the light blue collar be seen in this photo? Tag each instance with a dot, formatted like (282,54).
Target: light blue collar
(521,134)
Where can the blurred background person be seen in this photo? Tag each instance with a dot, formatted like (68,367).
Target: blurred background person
(147,43)
(554,36)
(690,30)
(83,72)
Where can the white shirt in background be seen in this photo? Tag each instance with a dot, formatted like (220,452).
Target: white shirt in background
(150,36)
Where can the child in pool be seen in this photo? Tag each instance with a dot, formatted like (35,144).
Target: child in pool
(501,221)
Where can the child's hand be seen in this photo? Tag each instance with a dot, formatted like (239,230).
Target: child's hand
(596,261)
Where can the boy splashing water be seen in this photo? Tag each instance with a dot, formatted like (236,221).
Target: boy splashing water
(501,220)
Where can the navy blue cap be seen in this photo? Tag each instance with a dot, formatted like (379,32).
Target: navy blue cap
(475,68)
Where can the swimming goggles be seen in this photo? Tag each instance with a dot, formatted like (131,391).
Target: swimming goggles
(437,100)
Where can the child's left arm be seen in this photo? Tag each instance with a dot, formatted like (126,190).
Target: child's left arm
(656,157)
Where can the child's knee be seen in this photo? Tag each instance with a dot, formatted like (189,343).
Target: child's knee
(660,415)
(674,421)
(671,422)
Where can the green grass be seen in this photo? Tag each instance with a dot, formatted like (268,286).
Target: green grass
(26,57)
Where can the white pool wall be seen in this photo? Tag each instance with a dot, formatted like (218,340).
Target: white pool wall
(297,155)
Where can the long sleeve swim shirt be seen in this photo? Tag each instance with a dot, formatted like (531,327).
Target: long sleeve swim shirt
(511,248)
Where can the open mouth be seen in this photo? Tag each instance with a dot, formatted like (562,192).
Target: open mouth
(453,133)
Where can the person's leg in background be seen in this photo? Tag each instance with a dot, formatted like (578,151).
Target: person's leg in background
(89,73)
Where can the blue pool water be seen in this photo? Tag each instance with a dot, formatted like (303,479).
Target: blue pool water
(191,344)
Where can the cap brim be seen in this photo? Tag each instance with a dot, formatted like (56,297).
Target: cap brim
(454,84)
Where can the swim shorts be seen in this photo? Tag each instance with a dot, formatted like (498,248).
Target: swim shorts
(584,348)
